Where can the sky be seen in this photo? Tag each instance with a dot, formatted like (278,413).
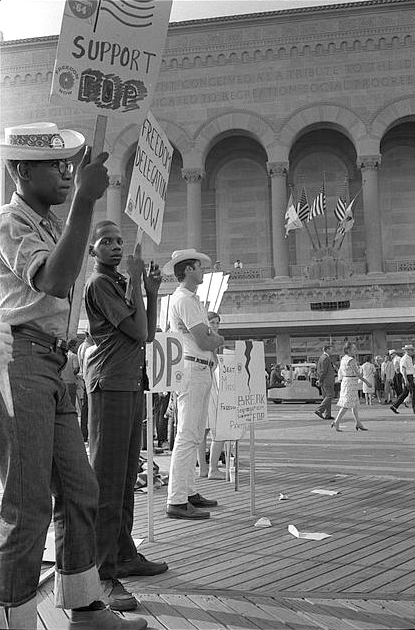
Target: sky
(20,19)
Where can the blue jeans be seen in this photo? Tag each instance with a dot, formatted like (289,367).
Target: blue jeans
(115,423)
(42,454)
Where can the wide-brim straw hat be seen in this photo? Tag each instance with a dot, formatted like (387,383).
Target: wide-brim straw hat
(40,141)
(392,351)
(185,254)
(408,346)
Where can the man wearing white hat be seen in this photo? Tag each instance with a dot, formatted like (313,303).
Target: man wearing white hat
(41,448)
(188,316)
(407,371)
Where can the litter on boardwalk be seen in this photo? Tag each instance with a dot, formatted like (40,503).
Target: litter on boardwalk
(263,522)
(283,497)
(307,535)
(327,492)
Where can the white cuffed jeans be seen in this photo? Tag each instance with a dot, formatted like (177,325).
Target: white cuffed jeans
(193,403)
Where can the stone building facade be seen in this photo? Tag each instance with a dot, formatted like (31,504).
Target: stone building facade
(257,106)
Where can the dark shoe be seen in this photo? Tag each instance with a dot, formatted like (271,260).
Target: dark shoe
(140,566)
(360,427)
(177,511)
(198,501)
(103,619)
(118,597)
(319,414)
(329,418)
(392,408)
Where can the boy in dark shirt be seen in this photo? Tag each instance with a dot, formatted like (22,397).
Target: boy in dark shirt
(114,383)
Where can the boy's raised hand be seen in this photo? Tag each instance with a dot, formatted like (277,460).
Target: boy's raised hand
(152,280)
(135,264)
(91,179)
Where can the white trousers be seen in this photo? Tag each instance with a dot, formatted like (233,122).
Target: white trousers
(193,403)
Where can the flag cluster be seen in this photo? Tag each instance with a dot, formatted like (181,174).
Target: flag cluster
(300,213)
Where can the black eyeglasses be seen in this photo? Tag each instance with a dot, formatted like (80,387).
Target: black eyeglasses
(63,166)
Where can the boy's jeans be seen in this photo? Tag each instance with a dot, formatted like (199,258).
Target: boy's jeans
(42,453)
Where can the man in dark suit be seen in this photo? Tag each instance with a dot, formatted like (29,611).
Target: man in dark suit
(326,375)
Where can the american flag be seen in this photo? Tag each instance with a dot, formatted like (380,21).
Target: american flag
(340,209)
(303,209)
(134,13)
(347,222)
(318,207)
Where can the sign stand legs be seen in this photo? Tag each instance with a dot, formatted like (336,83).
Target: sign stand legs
(252,466)
(150,478)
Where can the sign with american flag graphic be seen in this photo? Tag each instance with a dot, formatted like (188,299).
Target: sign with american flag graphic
(109,55)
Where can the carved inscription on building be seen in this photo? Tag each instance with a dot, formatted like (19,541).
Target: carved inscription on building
(385,74)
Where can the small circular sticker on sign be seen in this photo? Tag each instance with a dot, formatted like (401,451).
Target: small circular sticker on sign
(66,80)
(83,8)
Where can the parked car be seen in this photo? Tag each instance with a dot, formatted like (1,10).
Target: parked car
(296,389)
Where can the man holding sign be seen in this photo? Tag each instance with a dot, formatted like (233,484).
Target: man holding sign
(115,385)
(188,316)
(41,448)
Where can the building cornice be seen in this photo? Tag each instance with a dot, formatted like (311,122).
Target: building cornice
(246,17)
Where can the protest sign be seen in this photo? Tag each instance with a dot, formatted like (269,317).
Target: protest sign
(148,186)
(165,363)
(109,55)
(224,424)
(250,387)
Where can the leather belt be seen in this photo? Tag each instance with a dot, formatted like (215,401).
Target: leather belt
(197,360)
(43,339)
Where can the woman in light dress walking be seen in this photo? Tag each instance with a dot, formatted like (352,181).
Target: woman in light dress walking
(349,374)
(368,373)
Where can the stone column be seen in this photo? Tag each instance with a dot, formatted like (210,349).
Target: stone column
(193,179)
(369,165)
(283,344)
(114,212)
(277,171)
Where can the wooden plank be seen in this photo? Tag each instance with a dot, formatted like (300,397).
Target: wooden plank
(200,618)
(166,616)
(78,289)
(221,612)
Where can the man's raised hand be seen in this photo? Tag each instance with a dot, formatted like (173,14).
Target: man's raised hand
(91,179)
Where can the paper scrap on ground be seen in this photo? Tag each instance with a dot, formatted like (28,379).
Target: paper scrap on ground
(340,475)
(263,522)
(49,551)
(283,497)
(328,492)
(307,535)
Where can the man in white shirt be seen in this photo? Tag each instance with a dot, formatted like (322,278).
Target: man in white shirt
(189,316)
(407,371)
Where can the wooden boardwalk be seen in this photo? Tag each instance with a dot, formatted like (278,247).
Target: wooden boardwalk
(226,573)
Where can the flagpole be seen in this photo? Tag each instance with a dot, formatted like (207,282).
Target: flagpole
(304,223)
(325,209)
(318,238)
(351,205)
(338,222)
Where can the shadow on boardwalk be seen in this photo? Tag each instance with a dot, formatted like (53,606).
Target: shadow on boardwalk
(226,573)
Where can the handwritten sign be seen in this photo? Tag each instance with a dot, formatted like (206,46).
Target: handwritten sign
(165,363)
(148,187)
(223,422)
(250,388)
(109,55)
